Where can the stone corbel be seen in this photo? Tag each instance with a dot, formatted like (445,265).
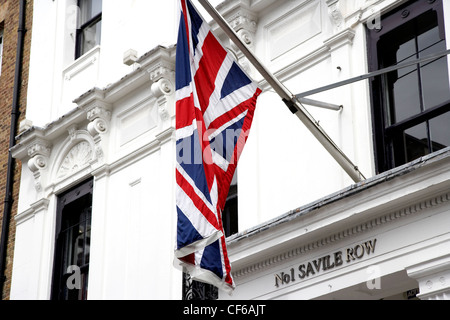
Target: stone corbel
(244,22)
(99,116)
(39,153)
(162,88)
(335,13)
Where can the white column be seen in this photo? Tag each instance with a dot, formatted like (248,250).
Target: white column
(433,277)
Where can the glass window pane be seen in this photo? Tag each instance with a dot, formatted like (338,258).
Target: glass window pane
(429,42)
(440,131)
(435,83)
(406,52)
(91,37)
(416,142)
(89,9)
(406,97)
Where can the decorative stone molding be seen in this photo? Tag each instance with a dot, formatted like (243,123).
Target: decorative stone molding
(98,113)
(344,37)
(335,14)
(99,116)
(244,22)
(161,74)
(242,18)
(78,157)
(161,70)
(35,208)
(161,89)
(39,147)
(39,152)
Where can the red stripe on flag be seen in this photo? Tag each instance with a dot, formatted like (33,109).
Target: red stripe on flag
(185,112)
(189,259)
(198,202)
(228,278)
(210,63)
(228,116)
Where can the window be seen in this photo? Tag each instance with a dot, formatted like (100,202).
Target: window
(1,47)
(230,212)
(73,235)
(90,26)
(411,106)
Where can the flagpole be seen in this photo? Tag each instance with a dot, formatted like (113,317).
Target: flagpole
(288,98)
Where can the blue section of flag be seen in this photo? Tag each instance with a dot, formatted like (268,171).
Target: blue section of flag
(183,70)
(235,79)
(189,156)
(212,260)
(186,233)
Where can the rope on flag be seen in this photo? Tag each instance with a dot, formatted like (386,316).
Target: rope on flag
(214,111)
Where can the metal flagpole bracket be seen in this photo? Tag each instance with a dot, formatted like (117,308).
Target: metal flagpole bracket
(288,98)
(320,104)
(291,105)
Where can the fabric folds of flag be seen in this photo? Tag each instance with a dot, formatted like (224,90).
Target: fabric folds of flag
(214,111)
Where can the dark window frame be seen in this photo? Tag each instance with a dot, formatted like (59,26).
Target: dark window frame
(79,49)
(80,198)
(388,136)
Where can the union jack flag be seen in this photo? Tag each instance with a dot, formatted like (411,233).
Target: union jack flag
(214,110)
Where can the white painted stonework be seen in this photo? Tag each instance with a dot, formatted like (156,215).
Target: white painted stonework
(110,115)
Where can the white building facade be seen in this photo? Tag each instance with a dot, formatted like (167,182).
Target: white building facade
(97,203)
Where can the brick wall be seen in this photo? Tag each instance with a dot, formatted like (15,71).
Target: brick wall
(9,21)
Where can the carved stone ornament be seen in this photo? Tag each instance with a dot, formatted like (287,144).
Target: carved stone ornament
(97,126)
(161,89)
(36,163)
(161,70)
(335,13)
(39,152)
(245,23)
(99,117)
(39,147)
(76,159)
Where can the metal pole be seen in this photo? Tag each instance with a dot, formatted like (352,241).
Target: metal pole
(289,99)
(372,74)
(320,104)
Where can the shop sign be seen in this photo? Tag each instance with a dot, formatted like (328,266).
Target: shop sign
(326,263)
